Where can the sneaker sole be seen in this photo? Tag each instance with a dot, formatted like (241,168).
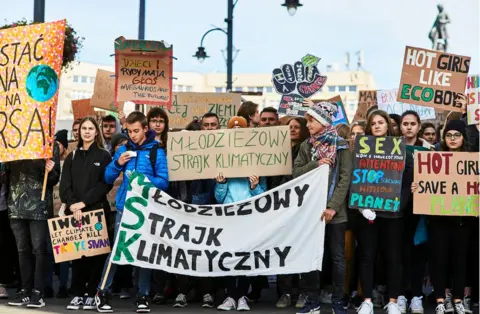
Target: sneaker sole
(36,306)
(417,312)
(143,311)
(225,309)
(17,304)
(89,308)
(314,312)
(104,311)
(73,308)
(207,306)
(180,306)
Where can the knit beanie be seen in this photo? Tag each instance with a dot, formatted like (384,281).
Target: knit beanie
(62,138)
(323,112)
(455,125)
(237,121)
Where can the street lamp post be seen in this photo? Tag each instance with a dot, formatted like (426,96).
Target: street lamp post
(39,11)
(201,54)
(141,31)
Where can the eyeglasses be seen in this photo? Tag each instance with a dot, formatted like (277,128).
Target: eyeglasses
(453,135)
(157,122)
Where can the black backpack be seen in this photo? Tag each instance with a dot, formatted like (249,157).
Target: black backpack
(153,155)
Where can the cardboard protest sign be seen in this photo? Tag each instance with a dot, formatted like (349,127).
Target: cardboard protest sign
(189,106)
(143,71)
(387,100)
(81,108)
(378,171)
(73,239)
(297,82)
(366,99)
(203,241)
(104,92)
(30,66)
(111,196)
(473,99)
(341,115)
(433,78)
(448,184)
(234,152)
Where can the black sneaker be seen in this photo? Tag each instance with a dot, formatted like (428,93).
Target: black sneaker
(207,301)
(345,301)
(103,302)
(76,304)
(37,300)
(159,299)
(142,304)
(22,299)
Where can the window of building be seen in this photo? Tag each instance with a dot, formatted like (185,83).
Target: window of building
(181,88)
(218,89)
(189,88)
(84,79)
(260,89)
(342,88)
(92,79)
(332,88)
(352,88)
(238,89)
(269,89)
(75,78)
(251,89)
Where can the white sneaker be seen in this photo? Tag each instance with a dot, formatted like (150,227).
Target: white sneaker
(467,304)
(227,305)
(459,309)
(392,308)
(402,304)
(416,306)
(243,304)
(75,304)
(90,304)
(3,293)
(440,309)
(448,304)
(366,308)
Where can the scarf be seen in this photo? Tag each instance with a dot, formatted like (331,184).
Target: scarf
(324,144)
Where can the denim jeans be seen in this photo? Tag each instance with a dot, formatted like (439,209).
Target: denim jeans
(64,268)
(335,242)
(144,275)
(31,238)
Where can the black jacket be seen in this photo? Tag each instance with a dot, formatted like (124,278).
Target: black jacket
(25,187)
(83,179)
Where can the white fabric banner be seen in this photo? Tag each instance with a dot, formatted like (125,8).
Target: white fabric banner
(387,100)
(277,232)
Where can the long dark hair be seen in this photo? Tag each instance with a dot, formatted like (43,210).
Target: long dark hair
(304,133)
(384,115)
(159,112)
(98,138)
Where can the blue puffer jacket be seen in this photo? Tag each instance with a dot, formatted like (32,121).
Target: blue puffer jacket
(237,190)
(141,164)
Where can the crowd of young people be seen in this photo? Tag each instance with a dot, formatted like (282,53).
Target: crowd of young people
(371,259)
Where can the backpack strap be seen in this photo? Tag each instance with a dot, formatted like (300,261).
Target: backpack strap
(153,157)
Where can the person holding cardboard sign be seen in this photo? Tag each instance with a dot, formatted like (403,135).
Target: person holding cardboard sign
(233,190)
(448,235)
(384,229)
(326,147)
(83,189)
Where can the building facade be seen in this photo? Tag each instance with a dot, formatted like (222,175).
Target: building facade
(78,83)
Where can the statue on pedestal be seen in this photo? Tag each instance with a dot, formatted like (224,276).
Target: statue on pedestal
(438,34)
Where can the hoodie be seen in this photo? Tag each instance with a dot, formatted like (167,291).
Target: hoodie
(108,145)
(141,164)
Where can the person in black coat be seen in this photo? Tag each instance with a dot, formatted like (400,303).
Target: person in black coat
(83,189)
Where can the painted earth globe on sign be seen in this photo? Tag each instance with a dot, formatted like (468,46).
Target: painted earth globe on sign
(42,83)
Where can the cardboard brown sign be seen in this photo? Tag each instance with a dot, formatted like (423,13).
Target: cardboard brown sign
(73,239)
(143,72)
(366,99)
(189,106)
(234,152)
(433,78)
(448,183)
(104,92)
(81,108)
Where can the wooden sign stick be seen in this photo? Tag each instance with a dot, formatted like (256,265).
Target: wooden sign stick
(44,189)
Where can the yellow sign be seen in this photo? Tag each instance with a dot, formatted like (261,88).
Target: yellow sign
(30,65)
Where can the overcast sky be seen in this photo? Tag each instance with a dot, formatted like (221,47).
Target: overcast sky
(266,35)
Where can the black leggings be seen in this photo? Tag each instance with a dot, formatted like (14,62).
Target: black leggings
(448,238)
(386,234)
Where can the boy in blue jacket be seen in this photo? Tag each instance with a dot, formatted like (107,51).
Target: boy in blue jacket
(136,155)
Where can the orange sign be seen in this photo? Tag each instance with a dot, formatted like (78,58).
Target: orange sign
(30,66)
(81,108)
